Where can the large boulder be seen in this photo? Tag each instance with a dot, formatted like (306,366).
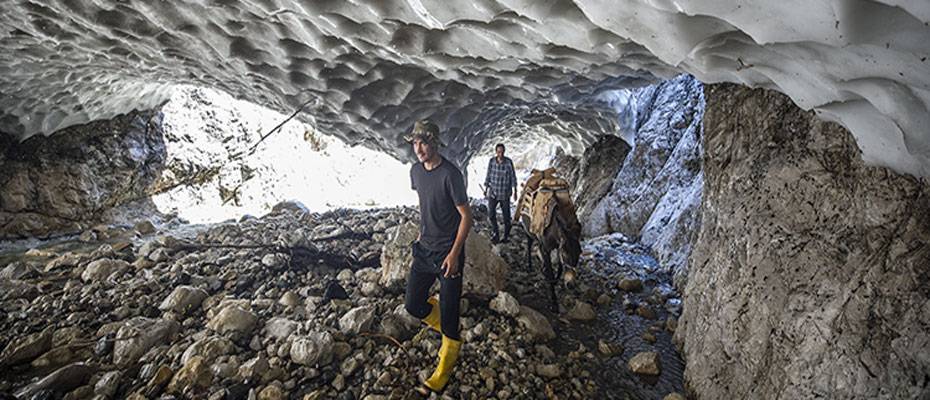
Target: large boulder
(396,255)
(810,272)
(596,171)
(656,195)
(61,183)
(485,271)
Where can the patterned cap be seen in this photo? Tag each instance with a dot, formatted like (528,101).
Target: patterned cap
(425,131)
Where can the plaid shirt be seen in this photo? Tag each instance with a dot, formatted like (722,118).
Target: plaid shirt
(500,179)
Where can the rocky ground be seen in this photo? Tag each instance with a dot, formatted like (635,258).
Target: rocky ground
(297,305)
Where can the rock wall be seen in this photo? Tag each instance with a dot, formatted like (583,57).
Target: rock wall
(809,278)
(64,182)
(596,170)
(656,193)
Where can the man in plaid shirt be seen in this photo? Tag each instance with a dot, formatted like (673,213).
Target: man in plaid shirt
(499,183)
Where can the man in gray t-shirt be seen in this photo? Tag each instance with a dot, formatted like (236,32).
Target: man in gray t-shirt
(439,252)
(441,190)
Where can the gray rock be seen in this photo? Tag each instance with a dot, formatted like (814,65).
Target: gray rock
(289,299)
(109,163)
(315,348)
(396,255)
(486,271)
(657,192)
(819,269)
(139,335)
(273,261)
(350,365)
(225,370)
(582,311)
(233,318)
(108,384)
(596,170)
(194,374)
(630,284)
(88,236)
(280,328)
(399,324)
(291,206)
(160,254)
(505,304)
(536,324)
(62,381)
(210,348)
(10,290)
(357,320)
(103,269)
(183,300)
(645,363)
(26,348)
(144,227)
(67,260)
(370,289)
(609,349)
(272,392)
(146,249)
(255,368)
(548,370)
(345,275)
(16,270)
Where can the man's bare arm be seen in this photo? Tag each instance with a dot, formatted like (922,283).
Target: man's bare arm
(450,265)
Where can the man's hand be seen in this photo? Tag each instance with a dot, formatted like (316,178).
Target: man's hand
(450,265)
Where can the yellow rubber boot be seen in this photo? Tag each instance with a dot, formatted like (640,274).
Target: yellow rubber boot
(448,355)
(433,318)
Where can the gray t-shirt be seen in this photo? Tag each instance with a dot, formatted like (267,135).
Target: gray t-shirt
(440,191)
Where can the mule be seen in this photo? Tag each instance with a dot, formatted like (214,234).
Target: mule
(556,236)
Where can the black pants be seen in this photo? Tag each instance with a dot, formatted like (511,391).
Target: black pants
(492,215)
(423,272)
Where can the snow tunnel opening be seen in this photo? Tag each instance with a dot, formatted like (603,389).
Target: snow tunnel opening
(217,167)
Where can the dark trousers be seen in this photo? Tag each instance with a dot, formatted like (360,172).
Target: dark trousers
(423,272)
(492,215)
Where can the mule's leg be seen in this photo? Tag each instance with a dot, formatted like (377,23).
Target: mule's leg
(529,251)
(547,271)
